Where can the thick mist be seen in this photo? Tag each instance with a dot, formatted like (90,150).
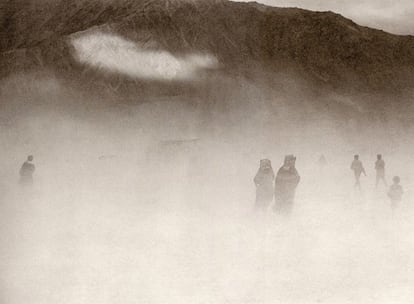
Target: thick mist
(153,202)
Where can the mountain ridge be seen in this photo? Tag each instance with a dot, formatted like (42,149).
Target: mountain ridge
(323,47)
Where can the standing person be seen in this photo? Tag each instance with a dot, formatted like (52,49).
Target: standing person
(264,185)
(26,172)
(287,179)
(358,169)
(322,163)
(380,169)
(395,193)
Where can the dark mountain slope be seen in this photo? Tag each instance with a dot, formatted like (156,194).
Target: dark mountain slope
(325,49)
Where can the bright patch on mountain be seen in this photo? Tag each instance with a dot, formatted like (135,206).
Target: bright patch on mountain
(114,53)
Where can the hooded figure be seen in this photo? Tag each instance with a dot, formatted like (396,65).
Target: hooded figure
(26,171)
(264,184)
(287,180)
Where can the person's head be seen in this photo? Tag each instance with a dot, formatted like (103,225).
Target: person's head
(265,164)
(396,179)
(379,156)
(356,156)
(290,161)
(30,158)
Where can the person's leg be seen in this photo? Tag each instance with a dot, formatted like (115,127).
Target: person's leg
(384,181)
(393,207)
(357,181)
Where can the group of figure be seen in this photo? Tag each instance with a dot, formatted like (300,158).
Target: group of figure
(281,187)
(395,191)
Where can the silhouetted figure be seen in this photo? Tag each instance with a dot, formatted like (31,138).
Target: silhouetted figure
(322,163)
(380,169)
(395,193)
(264,184)
(287,179)
(26,171)
(358,169)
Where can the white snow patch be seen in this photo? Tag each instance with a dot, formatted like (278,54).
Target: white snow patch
(114,53)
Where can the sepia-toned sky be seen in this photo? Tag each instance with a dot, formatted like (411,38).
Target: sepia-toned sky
(392,16)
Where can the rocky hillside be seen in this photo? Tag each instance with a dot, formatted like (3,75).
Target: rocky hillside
(322,48)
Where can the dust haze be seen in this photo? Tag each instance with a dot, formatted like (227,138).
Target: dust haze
(145,157)
(153,202)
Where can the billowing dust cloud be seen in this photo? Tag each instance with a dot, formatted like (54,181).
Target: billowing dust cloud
(153,202)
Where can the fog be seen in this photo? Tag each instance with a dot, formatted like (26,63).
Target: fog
(153,202)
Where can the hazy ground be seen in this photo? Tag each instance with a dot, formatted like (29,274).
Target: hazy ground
(119,213)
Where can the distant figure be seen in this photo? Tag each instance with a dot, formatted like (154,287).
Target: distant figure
(380,168)
(358,169)
(322,162)
(264,185)
(395,193)
(287,179)
(26,171)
